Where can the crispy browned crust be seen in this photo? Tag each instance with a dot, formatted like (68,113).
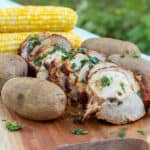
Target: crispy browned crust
(54,38)
(42,36)
(144,82)
(64,69)
(113,67)
(54,41)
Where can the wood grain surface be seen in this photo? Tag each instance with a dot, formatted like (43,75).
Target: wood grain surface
(112,144)
(53,134)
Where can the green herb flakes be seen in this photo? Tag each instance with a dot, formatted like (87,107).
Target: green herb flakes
(67,55)
(141,132)
(139,93)
(59,48)
(133,54)
(79,131)
(122,87)
(64,58)
(93,60)
(90,65)
(122,56)
(74,65)
(12,126)
(121,133)
(83,62)
(33,41)
(83,81)
(105,81)
(38,61)
(81,50)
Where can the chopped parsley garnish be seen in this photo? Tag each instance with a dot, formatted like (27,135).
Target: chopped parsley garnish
(83,81)
(90,65)
(121,133)
(90,61)
(74,65)
(59,48)
(105,81)
(141,132)
(64,57)
(83,62)
(12,126)
(38,60)
(122,56)
(68,55)
(33,41)
(81,50)
(79,131)
(122,87)
(133,54)
(93,60)
(139,93)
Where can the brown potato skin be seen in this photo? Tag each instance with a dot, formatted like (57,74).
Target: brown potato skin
(33,98)
(11,66)
(137,65)
(110,46)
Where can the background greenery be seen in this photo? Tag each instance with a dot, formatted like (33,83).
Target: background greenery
(123,19)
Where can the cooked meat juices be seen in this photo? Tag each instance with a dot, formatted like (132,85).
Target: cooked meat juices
(109,92)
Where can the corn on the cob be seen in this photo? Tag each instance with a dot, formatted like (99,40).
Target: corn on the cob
(10,42)
(37,18)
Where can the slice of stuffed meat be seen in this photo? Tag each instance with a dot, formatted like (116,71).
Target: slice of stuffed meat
(113,97)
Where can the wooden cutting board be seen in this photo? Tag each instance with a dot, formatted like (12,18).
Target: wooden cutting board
(52,134)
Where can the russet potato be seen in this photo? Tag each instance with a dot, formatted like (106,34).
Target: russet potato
(111,46)
(33,98)
(11,66)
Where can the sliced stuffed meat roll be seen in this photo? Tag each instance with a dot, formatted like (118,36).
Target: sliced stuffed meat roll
(113,96)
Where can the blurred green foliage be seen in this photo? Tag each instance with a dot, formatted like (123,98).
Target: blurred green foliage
(122,19)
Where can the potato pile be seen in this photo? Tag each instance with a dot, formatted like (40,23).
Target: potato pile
(29,97)
(123,53)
